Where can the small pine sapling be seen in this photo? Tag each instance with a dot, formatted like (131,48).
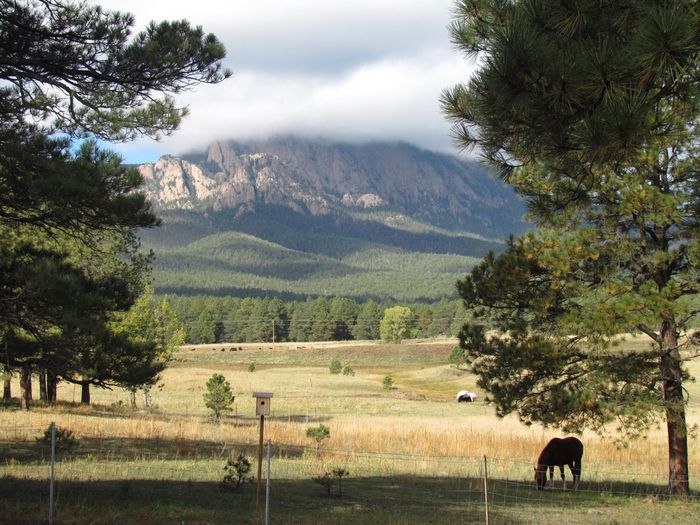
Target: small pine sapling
(218,397)
(340,473)
(318,434)
(328,478)
(326,481)
(236,472)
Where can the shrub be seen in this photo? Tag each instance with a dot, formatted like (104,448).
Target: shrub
(327,479)
(218,397)
(318,434)
(251,367)
(340,473)
(236,472)
(335,367)
(65,440)
(348,371)
(388,382)
(459,358)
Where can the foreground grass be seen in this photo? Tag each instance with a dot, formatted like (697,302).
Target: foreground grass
(414,454)
(365,500)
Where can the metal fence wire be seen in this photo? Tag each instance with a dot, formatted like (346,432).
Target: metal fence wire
(59,470)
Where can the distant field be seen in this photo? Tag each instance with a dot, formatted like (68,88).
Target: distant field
(414,455)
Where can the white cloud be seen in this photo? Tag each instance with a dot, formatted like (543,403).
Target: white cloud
(350,70)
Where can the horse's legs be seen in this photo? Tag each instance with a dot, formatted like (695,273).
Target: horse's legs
(551,472)
(561,471)
(576,471)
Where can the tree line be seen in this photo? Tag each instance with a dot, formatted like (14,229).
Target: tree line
(208,320)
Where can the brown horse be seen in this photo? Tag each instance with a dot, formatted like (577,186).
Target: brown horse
(559,452)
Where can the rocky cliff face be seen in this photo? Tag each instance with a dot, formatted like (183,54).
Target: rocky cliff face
(176,183)
(319,177)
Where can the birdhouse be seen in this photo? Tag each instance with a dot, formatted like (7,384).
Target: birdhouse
(262,403)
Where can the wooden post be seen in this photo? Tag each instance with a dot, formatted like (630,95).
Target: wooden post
(486,491)
(267,483)
(273,331)
(260,457)
(53,462)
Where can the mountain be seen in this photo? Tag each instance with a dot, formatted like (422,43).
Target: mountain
(297,217)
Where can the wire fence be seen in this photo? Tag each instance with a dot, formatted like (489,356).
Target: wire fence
(411,488)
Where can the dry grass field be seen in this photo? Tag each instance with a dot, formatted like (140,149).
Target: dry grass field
(414,454)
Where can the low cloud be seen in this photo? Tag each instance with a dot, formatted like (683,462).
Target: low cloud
(350,71)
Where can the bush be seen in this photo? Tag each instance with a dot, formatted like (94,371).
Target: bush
(348,371)
(335,367)
(327,479)
(388,382)
(251,367)
(236,472)
(459,358)
(340,473)
(65,440)
(218,396)
(318,434)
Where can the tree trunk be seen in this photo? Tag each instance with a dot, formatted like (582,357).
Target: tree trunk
(43,390)
(85,393)
(146,397)
(51,386)
(672,376)
(132,396)
(7,390)
(25,388)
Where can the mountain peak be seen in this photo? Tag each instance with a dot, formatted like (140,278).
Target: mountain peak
(321,177)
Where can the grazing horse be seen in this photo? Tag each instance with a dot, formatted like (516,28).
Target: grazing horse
(559,452)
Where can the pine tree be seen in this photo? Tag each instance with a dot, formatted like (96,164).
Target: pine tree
(589,110)
(343,314)
(368,319)
(68,221)
(321,329)
(218,397)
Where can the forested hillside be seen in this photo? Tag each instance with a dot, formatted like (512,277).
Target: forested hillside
(295,218)
(305,262)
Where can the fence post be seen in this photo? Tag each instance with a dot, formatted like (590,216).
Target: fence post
(53,462)
(267,484)
(486,491)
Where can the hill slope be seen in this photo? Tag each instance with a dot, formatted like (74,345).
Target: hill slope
(295,218)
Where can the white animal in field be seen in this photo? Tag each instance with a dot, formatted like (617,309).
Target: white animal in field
(463,396)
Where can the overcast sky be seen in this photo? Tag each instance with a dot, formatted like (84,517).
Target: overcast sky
(351,70)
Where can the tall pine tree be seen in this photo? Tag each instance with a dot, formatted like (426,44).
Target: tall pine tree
(68,248)
(589,110)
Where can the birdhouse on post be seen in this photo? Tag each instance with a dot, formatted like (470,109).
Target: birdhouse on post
(262,409)
(262,403)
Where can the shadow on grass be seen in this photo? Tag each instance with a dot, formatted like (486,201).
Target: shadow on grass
(410,501)
(128,449)
(122,411)
(405,500)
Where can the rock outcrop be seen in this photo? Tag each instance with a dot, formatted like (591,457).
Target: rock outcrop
(318,177)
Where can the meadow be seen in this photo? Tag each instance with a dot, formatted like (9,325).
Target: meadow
(414,455)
